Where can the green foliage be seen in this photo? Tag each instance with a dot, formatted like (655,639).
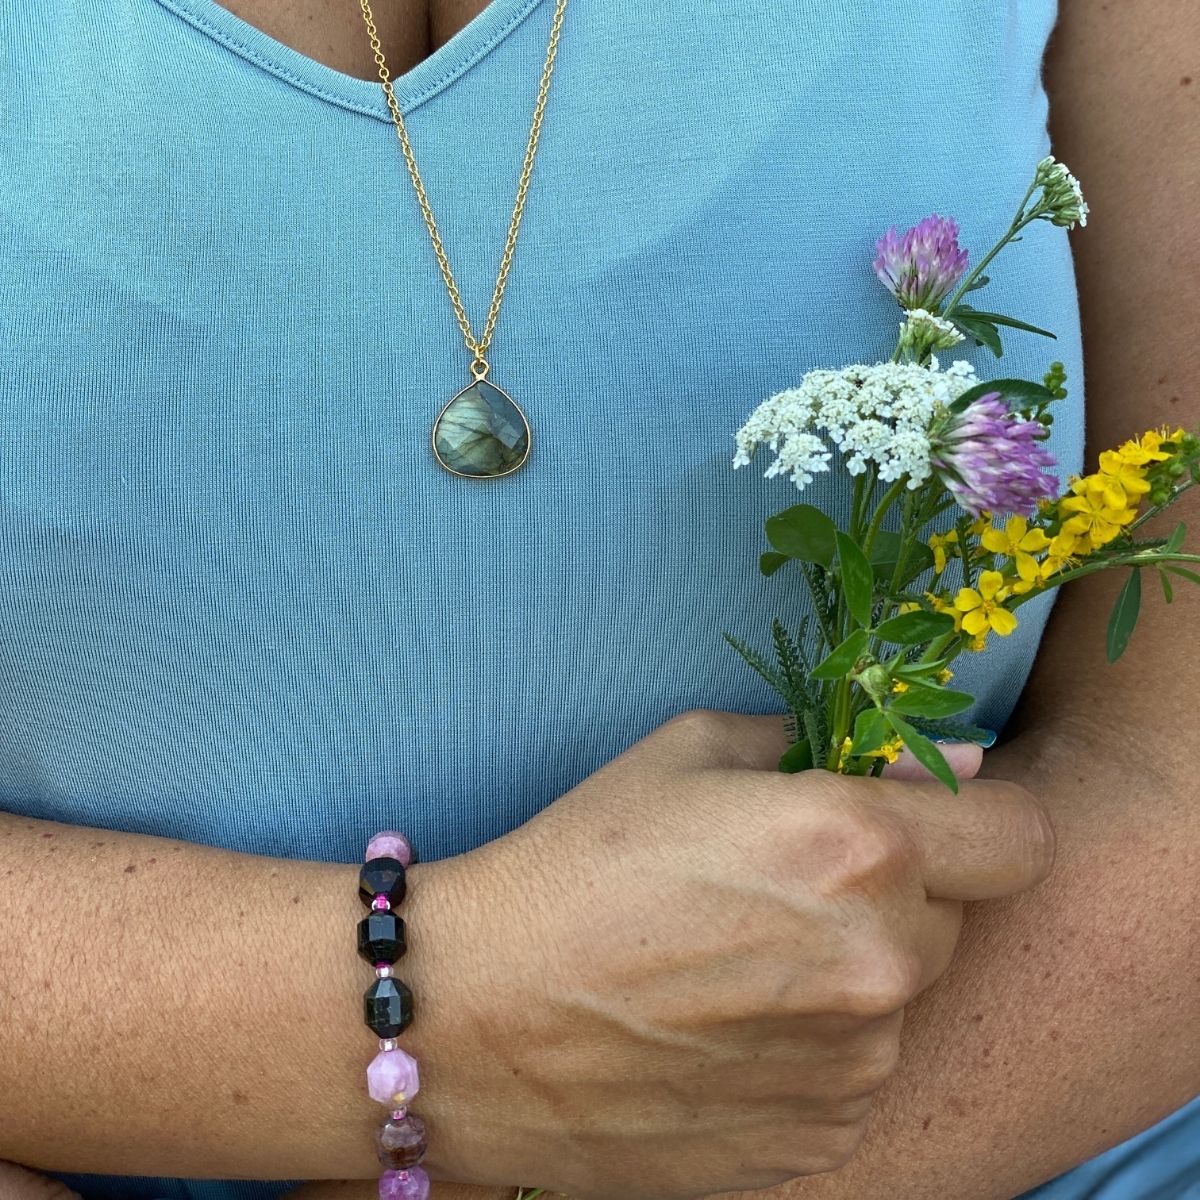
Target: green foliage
(840,661)
(982,332)
(797,757)
(1000,319)
(934,702)
(770,562)
(803,532)
(1021,395)
(871,730)
(1124,615)
(858,579)
(915,628)
(885,553)
(924,751)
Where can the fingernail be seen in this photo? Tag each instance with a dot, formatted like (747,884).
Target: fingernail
(987,740)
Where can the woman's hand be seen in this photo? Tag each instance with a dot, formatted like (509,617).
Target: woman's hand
(16,1183)
(687,975)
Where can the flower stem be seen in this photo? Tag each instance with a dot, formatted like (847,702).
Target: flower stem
(889,498)
(1019,222)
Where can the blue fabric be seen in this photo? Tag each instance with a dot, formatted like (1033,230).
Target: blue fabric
(240,603)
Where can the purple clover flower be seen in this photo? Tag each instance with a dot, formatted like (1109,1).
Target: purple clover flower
(921,267)
(992,460)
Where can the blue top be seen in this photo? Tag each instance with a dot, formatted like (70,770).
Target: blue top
(241,604)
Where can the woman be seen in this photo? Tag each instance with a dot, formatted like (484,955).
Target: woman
(246,610)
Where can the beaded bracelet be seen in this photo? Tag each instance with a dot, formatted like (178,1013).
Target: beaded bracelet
(392,1077)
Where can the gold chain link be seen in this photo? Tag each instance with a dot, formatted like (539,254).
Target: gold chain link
(477,346)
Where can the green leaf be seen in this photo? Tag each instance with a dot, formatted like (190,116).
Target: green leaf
(803,532)
(760,664)
(918,670)
(984,333)
(1176,539)
(840,661)
(1168,591)
(871,730)
(1183,572)
(925,752)
(858,580)
(955,731)
(885,550)
(797,757)
(1000,319)
(915,628)
(930,702)
(1124,615)
(1018,394)
(771,561)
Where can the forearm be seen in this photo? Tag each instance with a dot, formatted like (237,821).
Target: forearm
(200,1007)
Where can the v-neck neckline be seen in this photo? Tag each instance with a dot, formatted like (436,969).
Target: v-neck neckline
(468,46)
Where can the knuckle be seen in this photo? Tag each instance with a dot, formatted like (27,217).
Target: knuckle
(834,1148)
(877,985)
(863,849)
(696,727)
(874,1063)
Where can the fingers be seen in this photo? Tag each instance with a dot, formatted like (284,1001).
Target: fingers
(17,1183)
(993,839)
(964,758)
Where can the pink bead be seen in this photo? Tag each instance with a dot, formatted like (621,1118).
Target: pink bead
(412,1184)
(398,1114)
(381,903)
(390,844)
(392,1078)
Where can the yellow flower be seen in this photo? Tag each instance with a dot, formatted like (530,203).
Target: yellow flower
(899,687)
(978,643)
(889,750)
(942,604)
(1018,542)
(907,606)
(938,543)
(1119,481)
(1029,575)
(981,524)
(944,676)
(1149,447)
(1090,514)
(984,609)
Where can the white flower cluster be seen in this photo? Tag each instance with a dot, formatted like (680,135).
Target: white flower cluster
(921,330)
(878,414)
(1063,194)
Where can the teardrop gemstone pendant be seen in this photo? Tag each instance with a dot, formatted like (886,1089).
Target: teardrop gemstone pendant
(481,433)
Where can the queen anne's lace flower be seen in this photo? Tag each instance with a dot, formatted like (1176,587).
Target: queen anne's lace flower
(1062,193)
(921,331)
(873,414)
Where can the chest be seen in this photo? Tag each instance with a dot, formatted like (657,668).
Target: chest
(334,33)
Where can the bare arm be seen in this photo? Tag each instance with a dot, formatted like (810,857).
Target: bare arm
(1071,1018)
(242,1016)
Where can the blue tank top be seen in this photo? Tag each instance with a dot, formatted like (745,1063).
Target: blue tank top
(241,605)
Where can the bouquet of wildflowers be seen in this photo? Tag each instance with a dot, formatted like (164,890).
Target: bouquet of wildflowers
(955,519)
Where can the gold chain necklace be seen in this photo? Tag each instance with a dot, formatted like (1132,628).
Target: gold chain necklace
(481,433)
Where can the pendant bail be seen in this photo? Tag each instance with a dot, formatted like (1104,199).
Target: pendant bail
(479,367)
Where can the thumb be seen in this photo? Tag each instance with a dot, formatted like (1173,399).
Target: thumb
(964,759)
(18,1183)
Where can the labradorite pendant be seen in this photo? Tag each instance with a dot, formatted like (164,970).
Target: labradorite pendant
(482,433)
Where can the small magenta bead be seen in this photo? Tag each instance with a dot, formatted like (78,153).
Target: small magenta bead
(412,1184)
(381,903)
(390,844)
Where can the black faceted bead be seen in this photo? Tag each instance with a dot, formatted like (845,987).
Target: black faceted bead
(388,1007)
(384,875)
(381,938)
